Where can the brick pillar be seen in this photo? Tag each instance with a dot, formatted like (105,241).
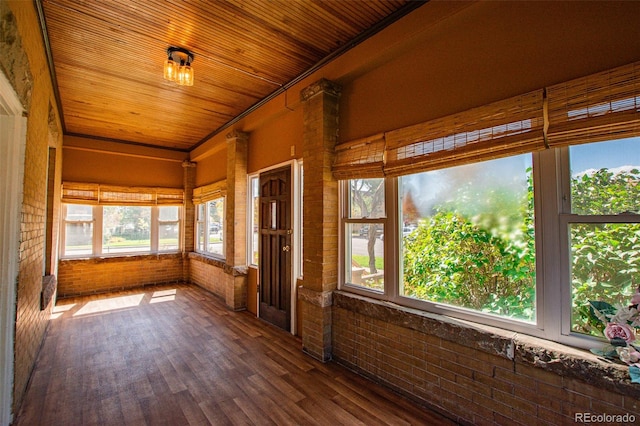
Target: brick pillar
(188,218)
(236,221)
(320,223)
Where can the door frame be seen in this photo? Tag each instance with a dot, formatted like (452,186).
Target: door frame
(296,238)
(12,151)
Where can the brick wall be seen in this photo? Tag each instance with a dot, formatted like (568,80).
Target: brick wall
(23,61)
(476,378)
(208,274)
(98,275)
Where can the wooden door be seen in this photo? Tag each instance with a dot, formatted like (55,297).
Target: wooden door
(275,247)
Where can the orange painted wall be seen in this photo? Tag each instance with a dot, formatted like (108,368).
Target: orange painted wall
(271,143)
(486,52)
(117,169)
(212,168)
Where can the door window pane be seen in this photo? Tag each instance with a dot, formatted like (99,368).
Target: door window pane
(467,237)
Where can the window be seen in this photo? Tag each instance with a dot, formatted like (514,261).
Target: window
(364,228)
(91,230)
(601,221)
(210,226)
(480,241)
(468,238)
(78,230)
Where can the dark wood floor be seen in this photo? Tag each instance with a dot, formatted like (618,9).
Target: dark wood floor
(174,355)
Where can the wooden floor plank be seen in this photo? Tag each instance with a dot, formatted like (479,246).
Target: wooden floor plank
(175,355)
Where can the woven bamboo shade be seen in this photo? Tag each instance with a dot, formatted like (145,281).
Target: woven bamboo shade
(507,127)
(202,194)
(361,158)
(93,193)
(598,107)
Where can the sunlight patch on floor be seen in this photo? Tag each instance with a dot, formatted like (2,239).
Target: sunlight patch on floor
(59,310)
(103,305)
(163,296)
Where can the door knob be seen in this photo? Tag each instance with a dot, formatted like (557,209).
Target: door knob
(286,248)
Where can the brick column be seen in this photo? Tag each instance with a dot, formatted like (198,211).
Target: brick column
(188,218)
(236,221)
(320,223)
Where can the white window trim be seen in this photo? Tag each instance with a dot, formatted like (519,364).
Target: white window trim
(206,225)
(96,241)
(553,292)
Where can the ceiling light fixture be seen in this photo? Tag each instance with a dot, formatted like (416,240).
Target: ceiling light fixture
(177,67)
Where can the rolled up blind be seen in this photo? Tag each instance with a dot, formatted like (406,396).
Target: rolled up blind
(93,193)
(595,108)
(205,193)
(507,127)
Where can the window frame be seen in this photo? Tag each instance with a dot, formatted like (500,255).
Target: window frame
(97,222)
(552,218)
(206,224)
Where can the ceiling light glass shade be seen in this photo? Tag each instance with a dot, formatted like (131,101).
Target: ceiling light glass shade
(186,75)
(170,70)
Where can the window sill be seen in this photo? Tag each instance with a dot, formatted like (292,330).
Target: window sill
(550,356)
(122,257)
(220,263)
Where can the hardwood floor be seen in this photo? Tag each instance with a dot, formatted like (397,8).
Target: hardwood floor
(175,355)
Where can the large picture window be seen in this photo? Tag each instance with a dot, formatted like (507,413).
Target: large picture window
(467,237)
(95,230)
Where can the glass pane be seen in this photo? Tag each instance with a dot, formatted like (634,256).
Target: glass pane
(168,213)
(605,177)
(467,237)
(78,238)
(200,236)
(604,267)
(366,198)
(79,212)
(215,234)
(126,229)
(168,236)
(365,255)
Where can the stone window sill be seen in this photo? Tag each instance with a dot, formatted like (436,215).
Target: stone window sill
(220,263)
(553,357)
(123,257)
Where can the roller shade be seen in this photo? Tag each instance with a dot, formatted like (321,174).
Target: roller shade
(202,194)
(93,193)
(594,108)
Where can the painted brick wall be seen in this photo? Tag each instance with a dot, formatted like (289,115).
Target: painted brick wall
(474,386)
(24,63)
(98,275)
(208,274)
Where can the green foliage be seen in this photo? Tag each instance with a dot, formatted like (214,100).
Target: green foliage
(468,258)
(448,259)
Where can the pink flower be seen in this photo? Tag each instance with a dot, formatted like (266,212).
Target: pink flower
(622,331)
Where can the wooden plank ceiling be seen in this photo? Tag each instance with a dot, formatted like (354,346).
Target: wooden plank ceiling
(108,59)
